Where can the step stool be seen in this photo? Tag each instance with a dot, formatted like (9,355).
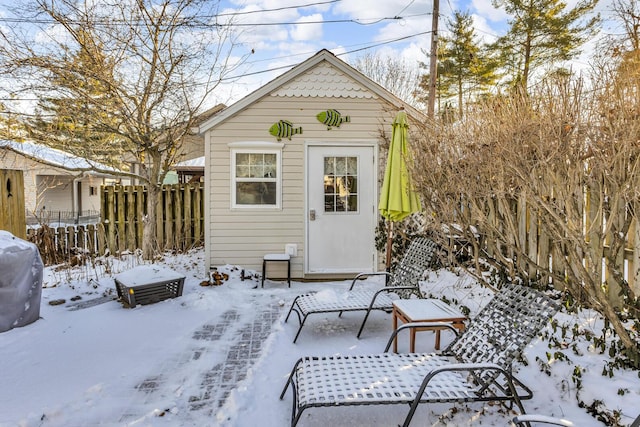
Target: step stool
(276,258)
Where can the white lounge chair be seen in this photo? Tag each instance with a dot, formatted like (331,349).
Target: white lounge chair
(403,282)
(476,366)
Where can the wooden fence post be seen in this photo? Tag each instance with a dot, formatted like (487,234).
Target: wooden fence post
(198,220)
(160,237)
(179,207)
(12,206)
(187,229)
(121,219)
(109,216)
(131,218)
(141,209)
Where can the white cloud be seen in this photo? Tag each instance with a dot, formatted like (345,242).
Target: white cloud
(484,32)
(307,31)
(366,9)
(486,9)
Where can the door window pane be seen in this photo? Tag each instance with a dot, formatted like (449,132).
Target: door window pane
(341,184)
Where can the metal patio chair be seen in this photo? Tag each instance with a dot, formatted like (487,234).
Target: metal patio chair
(476,366)
(535,419)
(403,282)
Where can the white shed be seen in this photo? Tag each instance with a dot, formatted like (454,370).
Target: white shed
(312,188)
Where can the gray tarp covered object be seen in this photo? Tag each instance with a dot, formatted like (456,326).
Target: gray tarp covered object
(20,282)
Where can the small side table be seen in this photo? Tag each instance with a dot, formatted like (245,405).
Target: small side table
(424,310)
(276,258)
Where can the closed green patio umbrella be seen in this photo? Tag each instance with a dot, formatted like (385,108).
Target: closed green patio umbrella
(397,198)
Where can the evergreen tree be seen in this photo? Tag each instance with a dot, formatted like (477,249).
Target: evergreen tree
(133,75)
(466,68)
(79,116)
(543,32)
(422,90)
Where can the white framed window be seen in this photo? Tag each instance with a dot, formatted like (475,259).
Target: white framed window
(256,175)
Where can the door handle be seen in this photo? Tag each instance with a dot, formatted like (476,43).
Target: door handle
(312,215)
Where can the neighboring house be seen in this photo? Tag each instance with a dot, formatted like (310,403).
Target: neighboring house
(51,184)
(191,165)
(191,147)
(190,170)
(314,194)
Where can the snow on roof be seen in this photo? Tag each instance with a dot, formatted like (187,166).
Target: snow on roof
(198,162)
(52,156)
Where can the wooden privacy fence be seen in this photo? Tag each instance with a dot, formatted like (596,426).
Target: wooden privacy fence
(179,226)
(517,221)
(179,221)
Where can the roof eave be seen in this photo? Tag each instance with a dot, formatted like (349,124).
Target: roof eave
(323,55)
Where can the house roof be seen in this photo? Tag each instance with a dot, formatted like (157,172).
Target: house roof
(190,165)
(53,157)
(356,86)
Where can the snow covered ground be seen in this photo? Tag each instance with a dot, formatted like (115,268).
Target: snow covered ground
(220,356)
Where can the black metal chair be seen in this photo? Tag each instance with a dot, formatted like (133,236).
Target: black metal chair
(476,366)
(527,420)
(404,282)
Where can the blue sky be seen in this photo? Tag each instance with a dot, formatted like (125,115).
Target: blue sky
(370,29)
(283,33)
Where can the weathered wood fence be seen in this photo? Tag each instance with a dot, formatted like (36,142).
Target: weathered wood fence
(179,222)
(516,220)
(12,217)
(179,226)
(68,244)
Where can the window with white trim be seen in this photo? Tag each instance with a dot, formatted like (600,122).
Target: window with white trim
(255,175)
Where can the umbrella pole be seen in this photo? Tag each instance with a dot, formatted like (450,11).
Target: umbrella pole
(389,246)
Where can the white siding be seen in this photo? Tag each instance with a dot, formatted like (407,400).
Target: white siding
(55,193)
(88,201)
(242,237)
(49,186)
(31,171)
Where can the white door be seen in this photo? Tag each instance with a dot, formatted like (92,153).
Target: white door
(341,209)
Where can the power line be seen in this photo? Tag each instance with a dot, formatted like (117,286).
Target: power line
(371,21)
(111,20)
(198,21)
(406,7)
(283,67)
(248,12)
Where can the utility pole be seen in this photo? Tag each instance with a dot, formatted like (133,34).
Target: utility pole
(433,69)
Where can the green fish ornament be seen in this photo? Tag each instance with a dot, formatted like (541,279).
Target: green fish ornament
(332,118)
(284,129)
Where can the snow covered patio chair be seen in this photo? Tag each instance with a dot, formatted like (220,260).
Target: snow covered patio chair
(476,366)
(404,282)
(529,420)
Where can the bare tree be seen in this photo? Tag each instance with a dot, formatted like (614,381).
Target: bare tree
(628,13)
(118,78)
(549,179)
(393,73)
